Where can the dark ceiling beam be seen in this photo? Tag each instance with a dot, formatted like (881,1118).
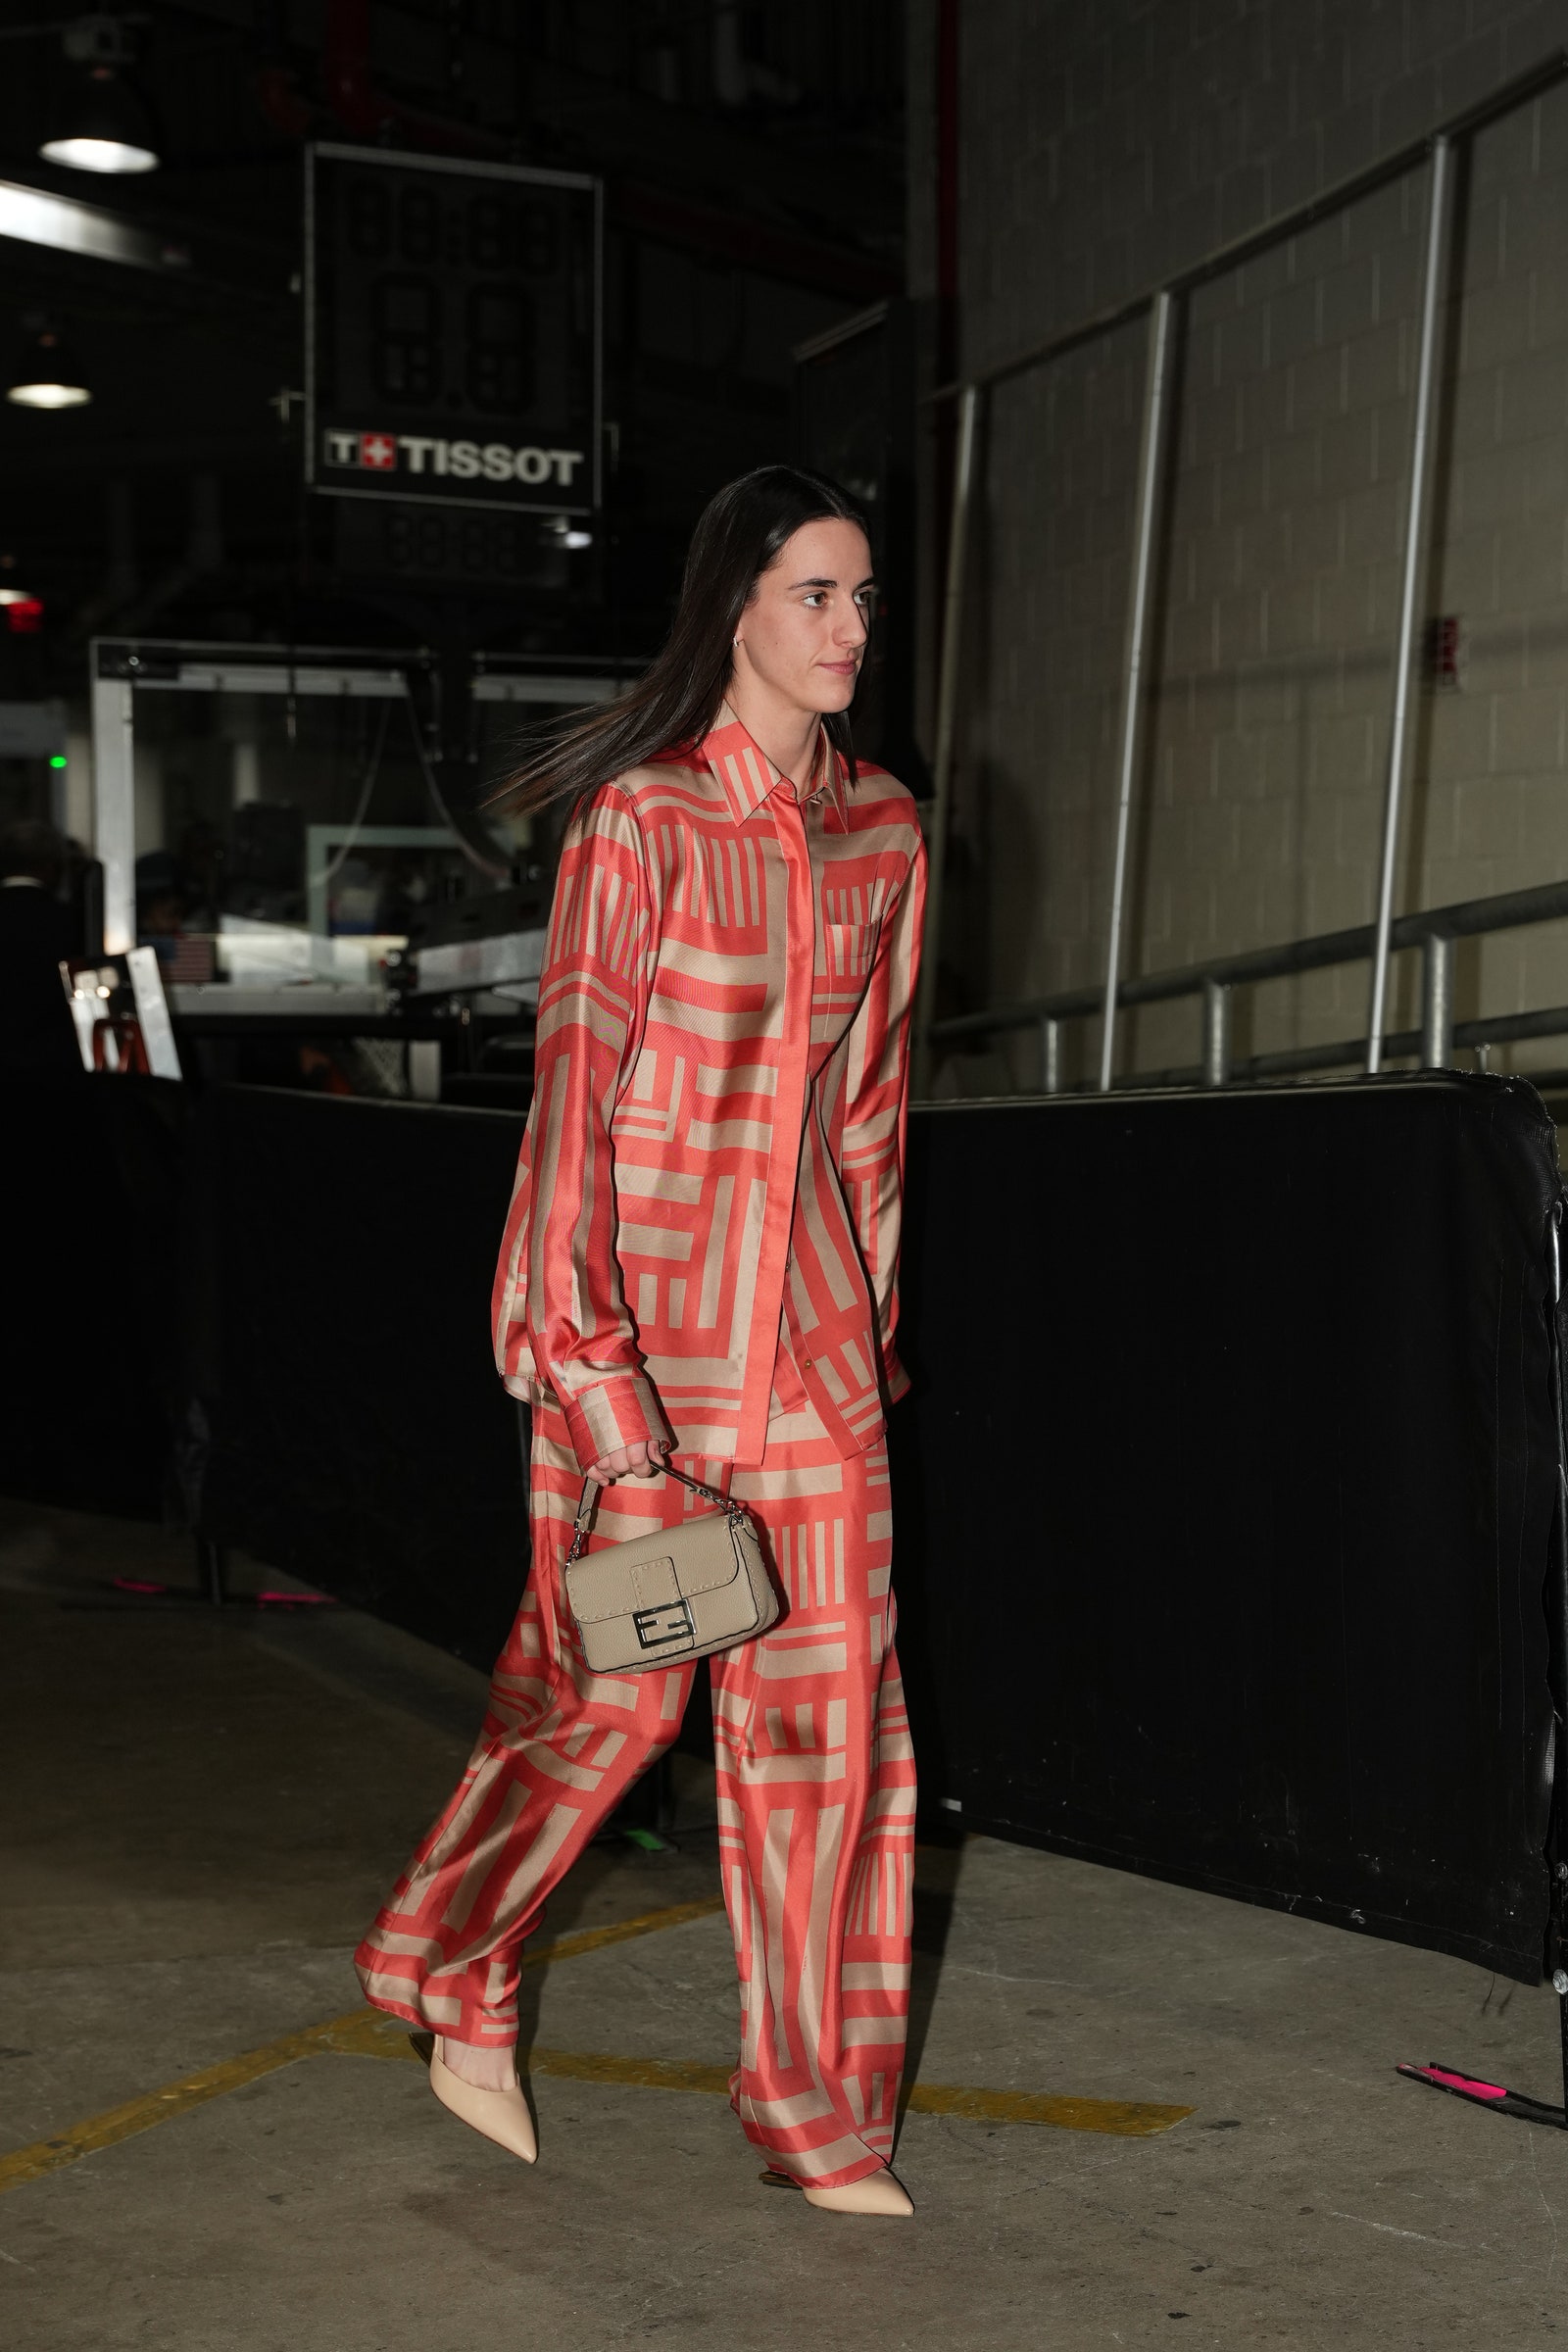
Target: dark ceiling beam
(67,240)
(34,216)
(368,111)
(750,244)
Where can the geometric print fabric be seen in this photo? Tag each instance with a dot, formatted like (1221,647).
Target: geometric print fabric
(716,1147)
(815,1786)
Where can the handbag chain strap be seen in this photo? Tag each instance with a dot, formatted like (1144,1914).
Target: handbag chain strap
(589,1502)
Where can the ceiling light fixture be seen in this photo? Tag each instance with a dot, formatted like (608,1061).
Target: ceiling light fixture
(102,124)
(46,373)
(103,129)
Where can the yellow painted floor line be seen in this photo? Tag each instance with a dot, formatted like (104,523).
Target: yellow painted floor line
(638,2073)
(361,2033)
(372,2033)
(1127,2119)
(154,2107)
(647,1923)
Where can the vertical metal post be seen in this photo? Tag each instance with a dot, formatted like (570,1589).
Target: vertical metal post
(1216,1033)
(1438,206)
(1437,1002)
(947,726)
(1557,1658)
(113,807)
(1132,691)
(1050,1056)
(212,1567)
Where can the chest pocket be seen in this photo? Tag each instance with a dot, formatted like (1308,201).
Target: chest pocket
(848,951)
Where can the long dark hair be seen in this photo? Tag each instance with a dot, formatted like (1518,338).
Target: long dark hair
(739,533)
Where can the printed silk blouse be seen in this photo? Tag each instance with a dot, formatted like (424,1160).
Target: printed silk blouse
(710,1190)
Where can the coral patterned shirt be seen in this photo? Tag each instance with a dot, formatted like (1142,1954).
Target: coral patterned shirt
(710,1190)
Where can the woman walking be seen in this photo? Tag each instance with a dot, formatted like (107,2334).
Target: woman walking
(701,1264)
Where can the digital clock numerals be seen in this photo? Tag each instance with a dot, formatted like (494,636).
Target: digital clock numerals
(501,346)
(425,227)
(457,324)
(442,327)
(406,329)
(479,547)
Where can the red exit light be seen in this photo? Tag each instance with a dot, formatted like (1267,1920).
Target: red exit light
(24,617)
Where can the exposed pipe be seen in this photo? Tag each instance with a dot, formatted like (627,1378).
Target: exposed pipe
(347,69)
(1049,1057)
(1438,208)
(947,177)
(945,336)
(1156,373)
(1216,1033)
(946,722)
(1437,1002)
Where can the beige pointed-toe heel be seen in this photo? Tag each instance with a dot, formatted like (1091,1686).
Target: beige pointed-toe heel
(878,2192)
(499,2115)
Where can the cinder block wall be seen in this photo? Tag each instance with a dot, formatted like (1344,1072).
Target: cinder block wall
(1105,144)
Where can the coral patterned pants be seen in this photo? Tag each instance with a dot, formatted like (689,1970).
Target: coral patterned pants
(815,1798)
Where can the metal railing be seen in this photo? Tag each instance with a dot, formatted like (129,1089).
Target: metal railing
(1214,980)
(1158,307)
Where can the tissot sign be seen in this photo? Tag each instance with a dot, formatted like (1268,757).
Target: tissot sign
(426,457)
(452,354)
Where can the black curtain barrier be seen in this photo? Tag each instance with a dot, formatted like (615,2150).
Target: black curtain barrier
(1224,1502)
(357,1433)
(91,1177)
(348,1422)
(1225,1505)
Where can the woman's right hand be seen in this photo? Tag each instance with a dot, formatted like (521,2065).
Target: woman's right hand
(645,1459)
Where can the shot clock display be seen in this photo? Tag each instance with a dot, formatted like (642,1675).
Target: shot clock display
(451,332)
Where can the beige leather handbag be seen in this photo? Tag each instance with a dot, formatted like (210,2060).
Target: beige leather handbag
(671,1595)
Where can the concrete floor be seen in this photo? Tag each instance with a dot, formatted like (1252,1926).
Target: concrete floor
(201,1816)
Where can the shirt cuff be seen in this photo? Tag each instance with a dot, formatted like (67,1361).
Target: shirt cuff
(622,1411)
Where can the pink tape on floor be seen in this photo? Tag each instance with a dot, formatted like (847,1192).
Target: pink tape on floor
(1477,2090)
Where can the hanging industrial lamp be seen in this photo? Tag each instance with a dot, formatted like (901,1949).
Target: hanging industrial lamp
(102,123)
(105,127)
(45,372)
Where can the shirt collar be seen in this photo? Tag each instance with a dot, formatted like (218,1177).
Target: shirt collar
(749,776)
